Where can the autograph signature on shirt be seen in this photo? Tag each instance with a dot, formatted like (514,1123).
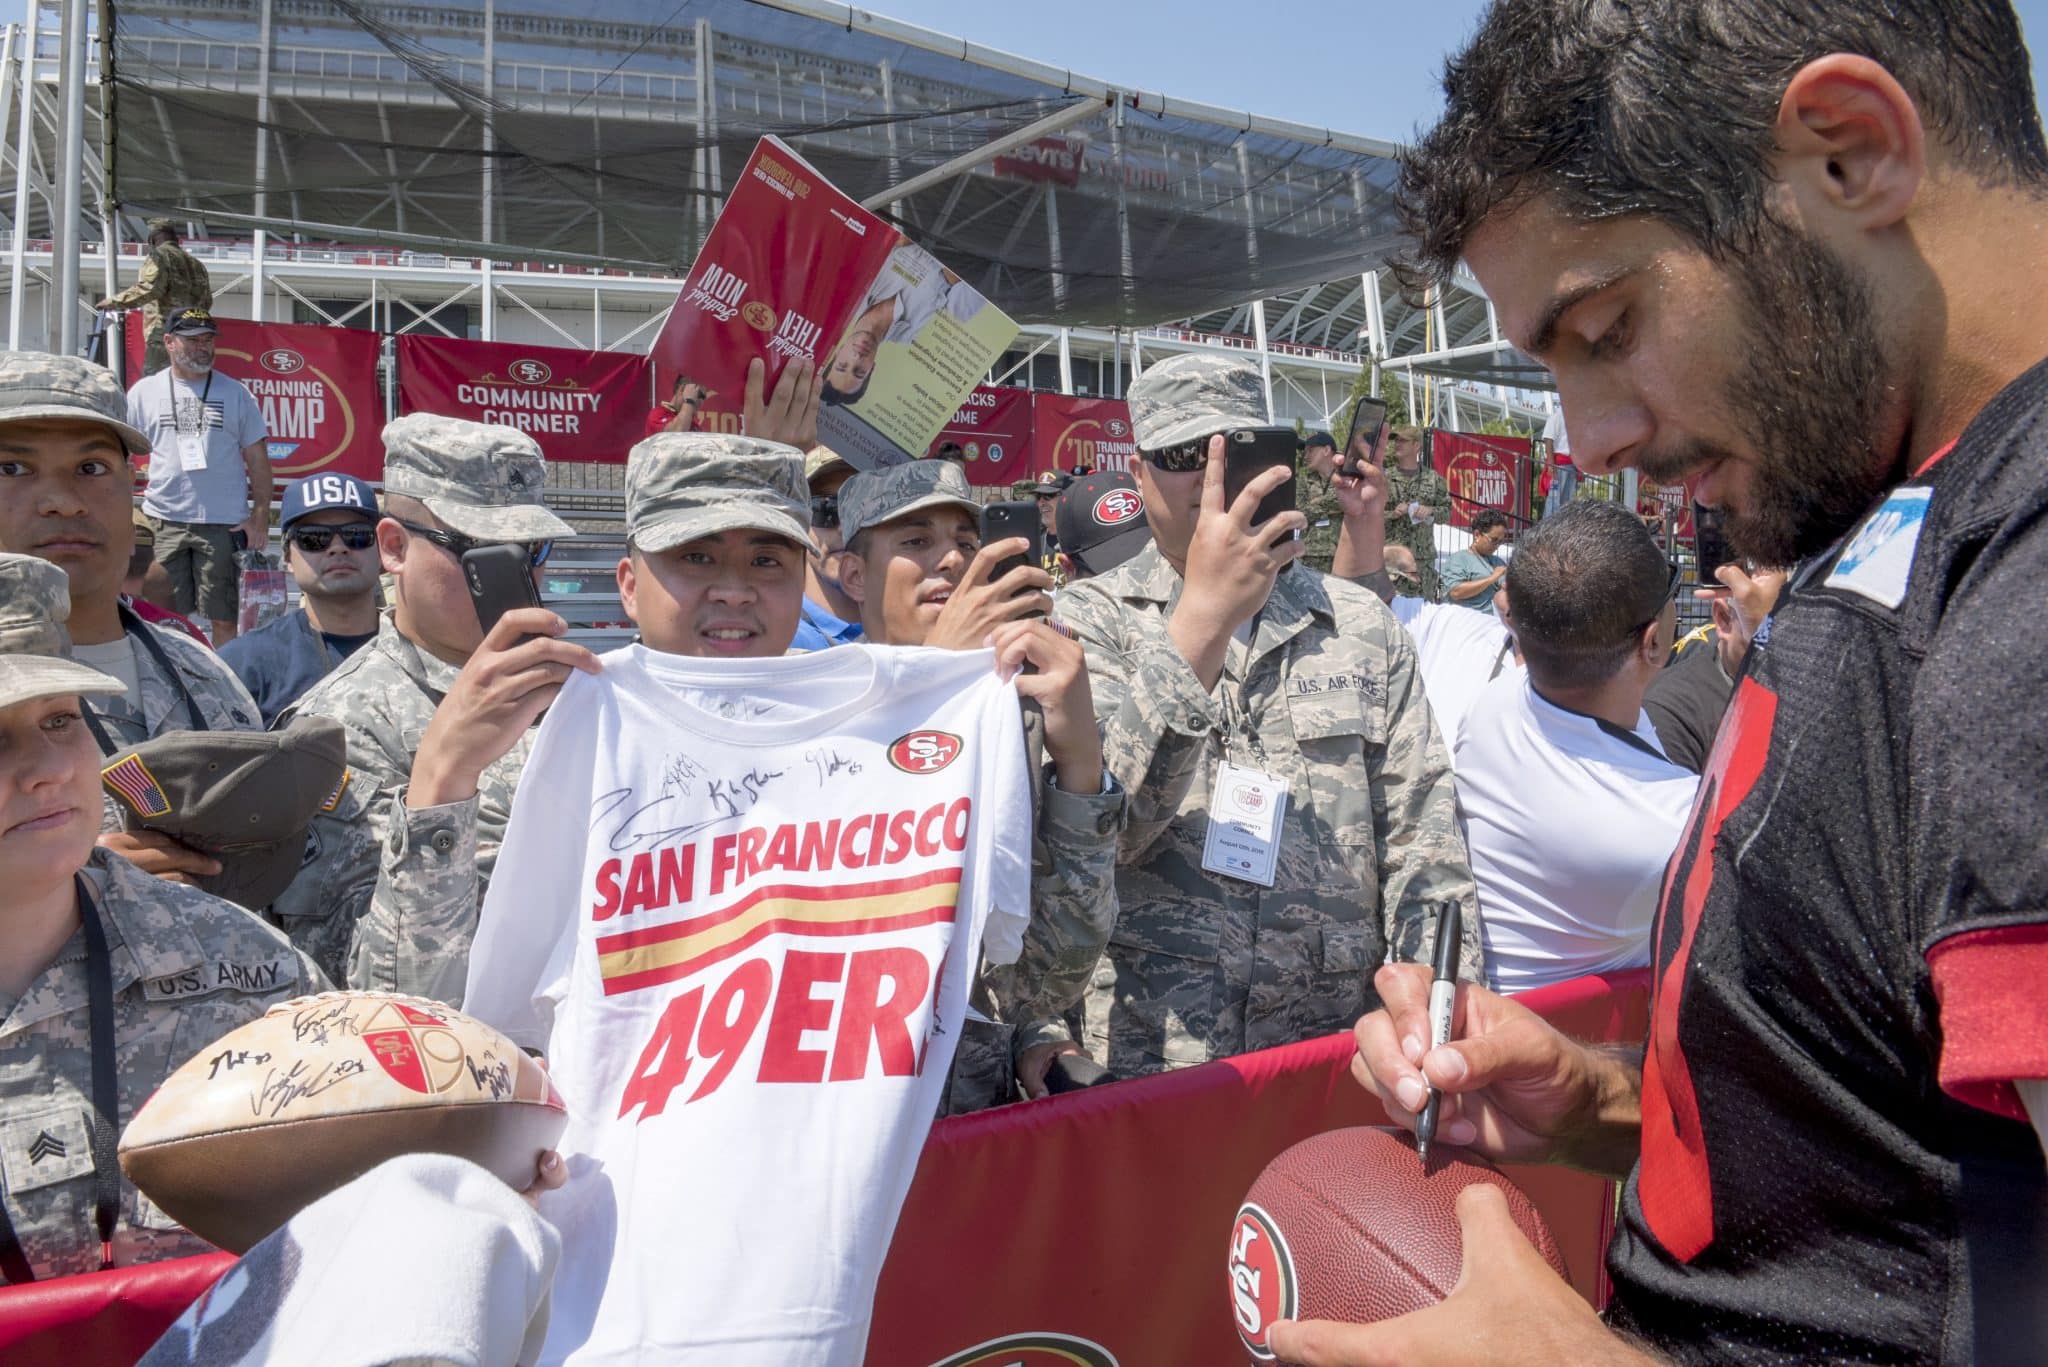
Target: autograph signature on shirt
(647,824)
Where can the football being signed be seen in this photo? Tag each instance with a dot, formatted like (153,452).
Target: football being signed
(317,1091)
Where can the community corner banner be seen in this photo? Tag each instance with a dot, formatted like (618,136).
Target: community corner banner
(317,387)
(579,405)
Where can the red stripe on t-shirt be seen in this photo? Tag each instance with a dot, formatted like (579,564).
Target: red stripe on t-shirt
(1934,460)
(1994,1015)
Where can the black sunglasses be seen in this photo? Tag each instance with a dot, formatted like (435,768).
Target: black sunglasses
(458,545)
(357,536)
(825,511)
(1187,457)
(1670,592)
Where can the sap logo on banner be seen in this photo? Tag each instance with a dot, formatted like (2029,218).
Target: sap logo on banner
(530,372)
(281,361)
(718,292)
(797,338)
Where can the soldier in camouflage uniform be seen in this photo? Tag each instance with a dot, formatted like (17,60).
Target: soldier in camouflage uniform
(1211,646)
(391,886)
(1418,502)
(183,967)
(1316,496)
(913,535)
(71,502)
(171,279)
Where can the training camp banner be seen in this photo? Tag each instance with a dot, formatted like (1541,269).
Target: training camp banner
(1086,1230)
(1069,432)
(578,405)
(993,430)
(317,387)
(1483,472)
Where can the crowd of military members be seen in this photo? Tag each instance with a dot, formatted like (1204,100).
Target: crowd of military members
(1186,648)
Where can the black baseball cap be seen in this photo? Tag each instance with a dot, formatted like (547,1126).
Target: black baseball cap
(1051,484)
(1319,439)
(190,322)
(1101,521)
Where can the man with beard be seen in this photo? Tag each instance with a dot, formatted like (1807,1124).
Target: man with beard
(330,546)
(1794,255)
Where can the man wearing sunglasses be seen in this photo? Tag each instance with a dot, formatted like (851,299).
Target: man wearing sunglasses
(1292,822)
(437,713)
(330,546)
(1592,599)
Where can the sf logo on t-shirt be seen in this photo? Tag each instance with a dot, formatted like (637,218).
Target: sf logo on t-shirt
(925,752)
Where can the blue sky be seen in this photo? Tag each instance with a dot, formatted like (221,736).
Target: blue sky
(1359,66)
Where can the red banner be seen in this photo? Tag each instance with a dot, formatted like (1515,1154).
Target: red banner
(1127,1191)
(1483,472)
(317,387)
(1663,501)
(993,428)
(579,405)
(1069,432)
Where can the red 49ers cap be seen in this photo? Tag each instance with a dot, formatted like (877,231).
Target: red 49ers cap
(1101,521)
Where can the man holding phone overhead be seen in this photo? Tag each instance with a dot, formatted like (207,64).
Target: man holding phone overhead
(436,708)
(1292,818)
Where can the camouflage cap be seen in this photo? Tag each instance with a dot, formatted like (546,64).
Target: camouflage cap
(482,480)
(823,460)
(876,496)
(684,485)
(163,225)
(37,385)
(1194,395)
(244,797)
(35,649)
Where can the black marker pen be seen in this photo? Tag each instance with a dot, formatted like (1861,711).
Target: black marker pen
(1443,996)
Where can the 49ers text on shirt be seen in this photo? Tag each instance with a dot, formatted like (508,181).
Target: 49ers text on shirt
(828,1016)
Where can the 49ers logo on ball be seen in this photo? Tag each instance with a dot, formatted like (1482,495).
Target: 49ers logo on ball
(281,361)
(1118,506)
(925,752)
(530,371)
(417,1049)
(1033,1350)
(1262,1285)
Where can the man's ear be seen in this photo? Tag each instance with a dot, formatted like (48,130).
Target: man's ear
(1850,141)
(853,577)
(629,586)
(391,545)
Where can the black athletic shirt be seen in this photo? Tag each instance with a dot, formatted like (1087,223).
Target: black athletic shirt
(1852,954)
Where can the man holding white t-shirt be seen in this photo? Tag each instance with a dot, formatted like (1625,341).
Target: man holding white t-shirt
(1569,806)
(751,951)
(209,470)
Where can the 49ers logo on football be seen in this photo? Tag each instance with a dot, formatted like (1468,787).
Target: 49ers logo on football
(925,752)
(1262,1284)
(1033,1350)
(418,1050)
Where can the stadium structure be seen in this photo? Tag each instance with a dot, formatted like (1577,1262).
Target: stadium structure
(542,171)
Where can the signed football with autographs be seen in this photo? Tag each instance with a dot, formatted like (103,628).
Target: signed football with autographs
(317,1091)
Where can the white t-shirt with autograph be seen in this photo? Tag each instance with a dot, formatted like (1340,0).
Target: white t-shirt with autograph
(738,908)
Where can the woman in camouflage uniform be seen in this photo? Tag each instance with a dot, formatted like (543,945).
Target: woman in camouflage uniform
(109,978)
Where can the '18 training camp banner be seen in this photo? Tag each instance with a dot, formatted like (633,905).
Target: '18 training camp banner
(579,405)
(317,387)
(1069,432)
(1483,472)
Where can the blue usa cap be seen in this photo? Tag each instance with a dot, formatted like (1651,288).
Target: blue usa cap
(324,494)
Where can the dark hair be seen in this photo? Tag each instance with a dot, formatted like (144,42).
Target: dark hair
(1669,109)
(1486,519)
(1581,587)
(159,236)
(829,396)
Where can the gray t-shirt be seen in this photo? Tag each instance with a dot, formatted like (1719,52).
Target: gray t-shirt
(162,405)
(1463,567)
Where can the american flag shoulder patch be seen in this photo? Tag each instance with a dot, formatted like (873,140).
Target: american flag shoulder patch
(131,780)
(334,798)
